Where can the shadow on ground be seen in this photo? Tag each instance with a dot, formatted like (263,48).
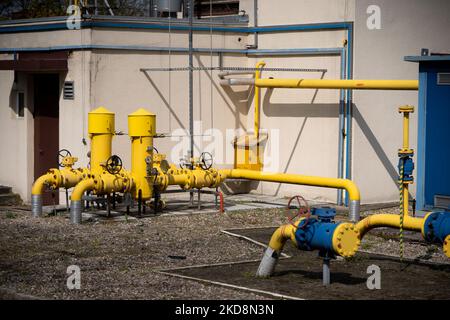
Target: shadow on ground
(301,275)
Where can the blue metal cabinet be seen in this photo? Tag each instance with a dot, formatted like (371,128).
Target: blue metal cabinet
(433,143)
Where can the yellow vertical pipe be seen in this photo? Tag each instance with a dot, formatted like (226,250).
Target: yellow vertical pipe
(141,129)
(101,131)
(405,130)
(259,65)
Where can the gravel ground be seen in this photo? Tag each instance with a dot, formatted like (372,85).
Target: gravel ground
(118,260)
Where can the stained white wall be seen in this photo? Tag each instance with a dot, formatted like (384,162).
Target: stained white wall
(302,124)
(406,27)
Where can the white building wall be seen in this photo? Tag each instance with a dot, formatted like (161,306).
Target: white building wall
(303,122)
(406,27)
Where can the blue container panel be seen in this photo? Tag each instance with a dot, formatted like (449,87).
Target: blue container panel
(437,140)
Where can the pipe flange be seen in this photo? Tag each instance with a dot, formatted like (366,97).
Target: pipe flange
(346,240)
(446,246)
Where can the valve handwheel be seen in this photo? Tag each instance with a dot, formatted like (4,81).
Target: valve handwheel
(63,153)
(114,164)
(303,210)
(206,160)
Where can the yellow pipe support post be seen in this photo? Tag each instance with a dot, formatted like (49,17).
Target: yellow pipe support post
(346,184)
(258,71)
(338,84)
(101,131)
(142,129)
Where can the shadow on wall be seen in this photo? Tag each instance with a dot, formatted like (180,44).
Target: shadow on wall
(241,100)
(376,146)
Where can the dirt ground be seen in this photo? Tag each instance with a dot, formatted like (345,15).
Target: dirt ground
(118,260)
(300,276)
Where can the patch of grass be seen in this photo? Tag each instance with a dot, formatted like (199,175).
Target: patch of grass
(248,274)
(11,215)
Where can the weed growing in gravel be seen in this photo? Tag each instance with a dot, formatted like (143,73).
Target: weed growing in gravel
(11,215)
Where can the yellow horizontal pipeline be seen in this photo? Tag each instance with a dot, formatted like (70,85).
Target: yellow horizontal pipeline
(346,184)
(103,184)
(338,84)
(388,220)
(65,178)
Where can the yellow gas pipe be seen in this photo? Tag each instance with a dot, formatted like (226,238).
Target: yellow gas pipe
(259,65)
(338,84)
(346,184)
(101,130)
(142,129)
(67,177)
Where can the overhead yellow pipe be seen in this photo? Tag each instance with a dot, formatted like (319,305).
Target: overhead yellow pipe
(338,84)
(257,89)
(346,184)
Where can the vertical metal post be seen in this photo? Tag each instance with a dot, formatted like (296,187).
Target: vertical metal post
(349,110)
(191,79)
(114,200)
(326,271)
(199,204)
(191,88)
(108,206)
(67,201)
(255,14)
(140,202)
(341,129)
(215,197)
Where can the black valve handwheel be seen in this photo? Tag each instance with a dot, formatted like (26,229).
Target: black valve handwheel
(61,155)
(206,160)
(114,164)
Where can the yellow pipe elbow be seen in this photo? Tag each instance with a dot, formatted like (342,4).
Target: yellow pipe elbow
(346,184)
(259,65)
(388,220)
(39,184)
(81,188)
(281,235)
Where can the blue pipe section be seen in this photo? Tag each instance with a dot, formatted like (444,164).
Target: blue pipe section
(437,226)
(341,128)
(349,109)
(148,26)
(263,52)
(317,233)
